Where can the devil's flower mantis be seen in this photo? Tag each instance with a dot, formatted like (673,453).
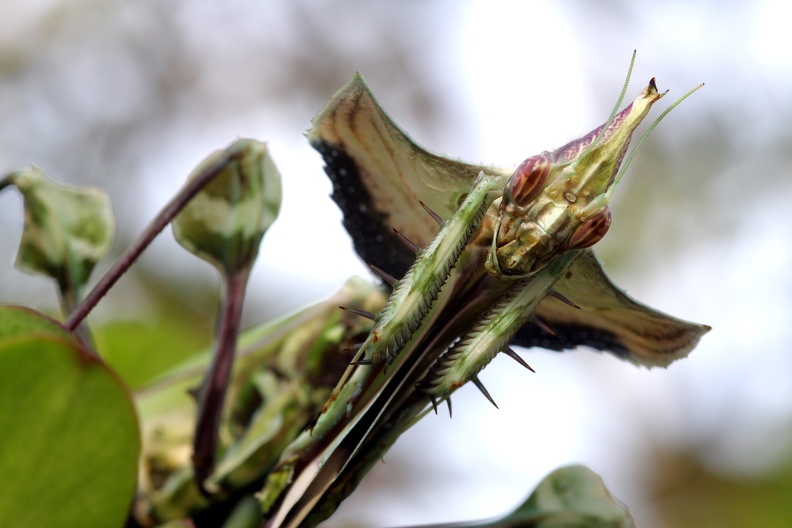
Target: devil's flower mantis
(510,263)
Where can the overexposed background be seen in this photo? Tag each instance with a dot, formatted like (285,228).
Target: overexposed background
(130,96)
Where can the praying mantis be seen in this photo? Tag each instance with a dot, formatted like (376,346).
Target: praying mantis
(479,258)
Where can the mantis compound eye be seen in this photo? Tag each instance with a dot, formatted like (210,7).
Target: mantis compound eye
(528,180)
(591,231)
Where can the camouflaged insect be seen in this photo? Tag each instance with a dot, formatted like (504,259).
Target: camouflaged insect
(525,276)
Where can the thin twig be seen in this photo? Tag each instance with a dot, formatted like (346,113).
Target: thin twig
(191,188)
(213,390)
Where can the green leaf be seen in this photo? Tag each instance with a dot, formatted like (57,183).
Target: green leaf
(569,497)
(67,229)
(224,223)
(246,514)
(573,497)
(21,321)
(70,445)
(126,344)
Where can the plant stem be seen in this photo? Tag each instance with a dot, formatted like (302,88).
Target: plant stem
(69,299)
(213,389)
(191,188)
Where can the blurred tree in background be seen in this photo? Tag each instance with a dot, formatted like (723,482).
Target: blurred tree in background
(129,96)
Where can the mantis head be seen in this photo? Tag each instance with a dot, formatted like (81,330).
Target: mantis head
(558,201)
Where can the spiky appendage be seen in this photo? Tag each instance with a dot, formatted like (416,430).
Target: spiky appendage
(355,348)
(433,401)
(312,423)
(356,362)
(563,299)
(491,333)
(512,354)
(412,246)
(435,216)
(384,275)
(542,325)
(362,313)
(480,386)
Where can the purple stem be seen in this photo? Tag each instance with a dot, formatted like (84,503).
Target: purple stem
(215,384)
(131,254)
(69,295)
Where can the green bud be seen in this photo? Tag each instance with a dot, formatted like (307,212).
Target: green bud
(225,222)
(67,229)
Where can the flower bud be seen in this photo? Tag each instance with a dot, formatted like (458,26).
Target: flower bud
(225,222)
(67,229)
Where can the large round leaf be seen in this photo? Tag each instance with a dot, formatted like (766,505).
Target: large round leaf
(69,438)
(20,321)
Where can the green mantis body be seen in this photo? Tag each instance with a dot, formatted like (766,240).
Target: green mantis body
(413,295)
(528,257)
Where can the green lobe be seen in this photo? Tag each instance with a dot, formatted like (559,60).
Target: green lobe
(21,321)
(569,497)
(225,222)
(573,497)
(67,229)
(69,451)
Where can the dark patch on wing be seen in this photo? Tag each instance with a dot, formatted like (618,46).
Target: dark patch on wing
(376,243)
(373,236)
(570,336)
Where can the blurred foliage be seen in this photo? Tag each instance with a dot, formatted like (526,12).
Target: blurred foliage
(283,374)
(689,494)
(128,96)
(172,326)
(67,229)
(142,349)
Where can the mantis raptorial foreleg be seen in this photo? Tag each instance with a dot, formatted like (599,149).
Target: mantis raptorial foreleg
(414,294)
(491,333)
